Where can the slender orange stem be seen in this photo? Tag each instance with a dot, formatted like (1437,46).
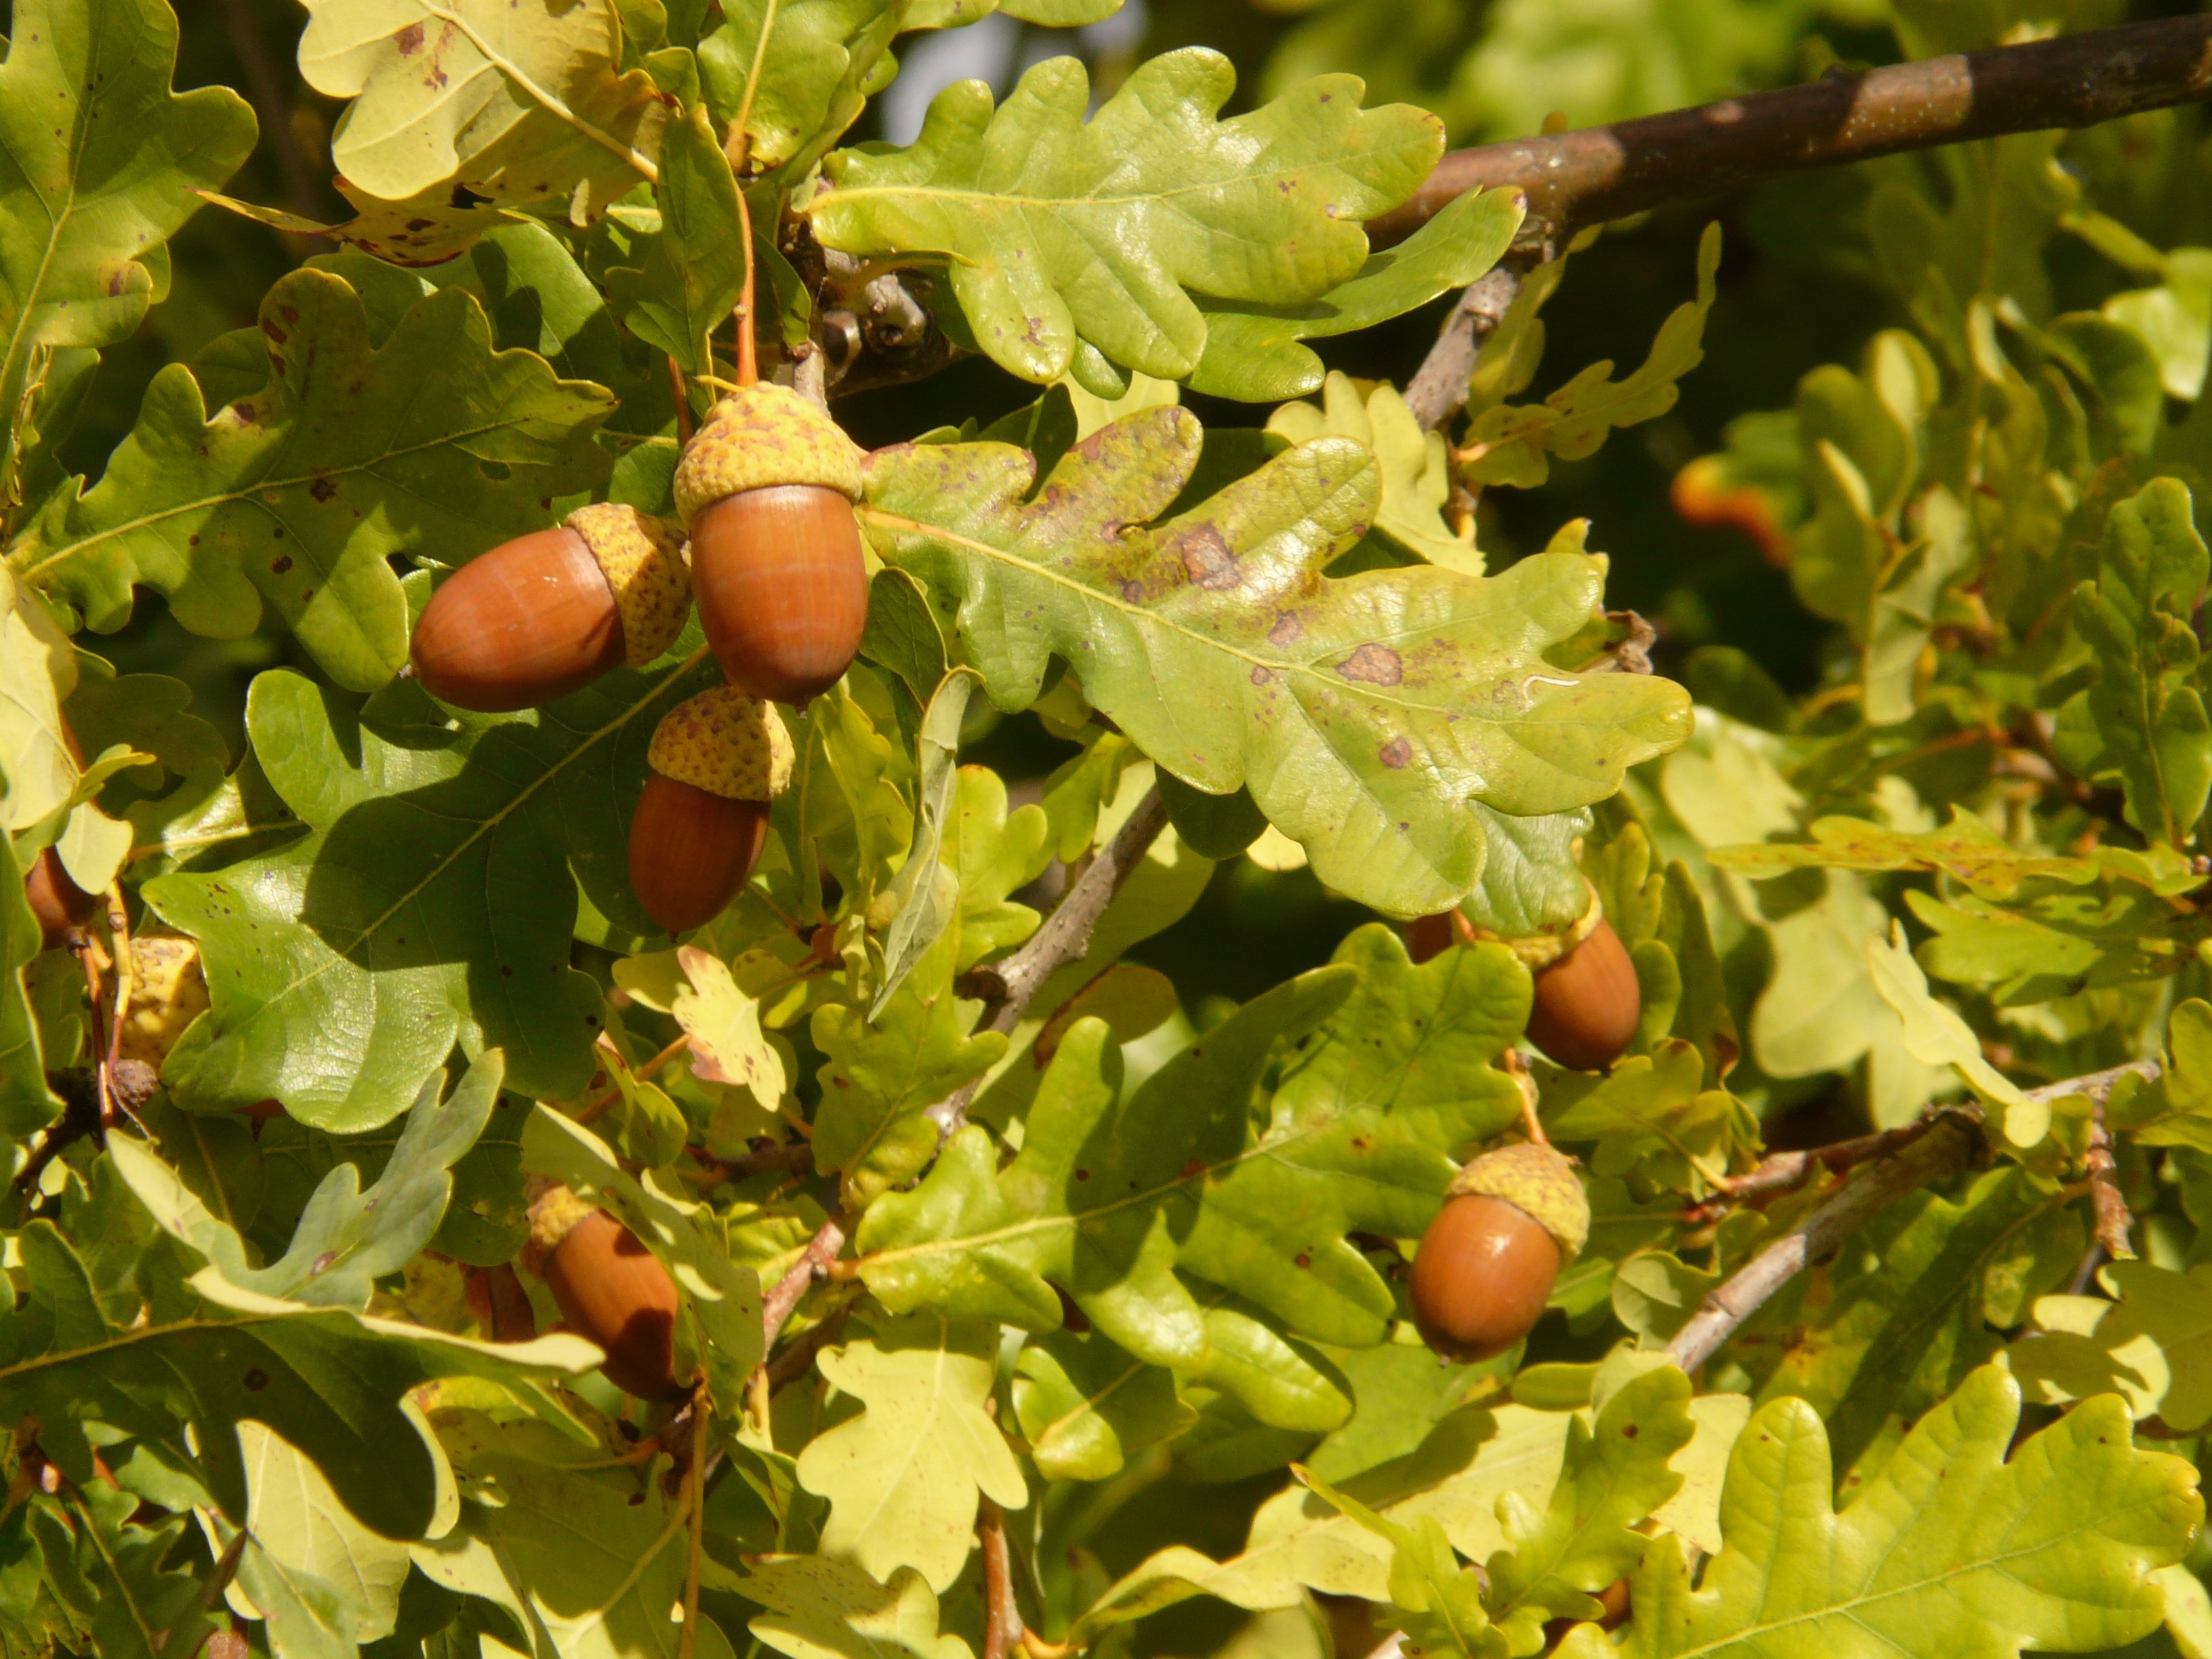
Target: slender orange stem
(748,360)
(682,402)
(640,1075)
(700,1405)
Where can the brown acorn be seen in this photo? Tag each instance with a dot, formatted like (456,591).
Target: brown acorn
(1428,936)
(547,613)
(717,761)
(59,903)
(766,491)
(610,1289)
(1511,1220)
(1587,1003)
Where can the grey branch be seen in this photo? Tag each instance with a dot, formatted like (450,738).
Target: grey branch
(1010,985)
(1583,177)
(776,1306)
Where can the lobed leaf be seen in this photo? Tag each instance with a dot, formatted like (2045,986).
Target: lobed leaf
(1361,713)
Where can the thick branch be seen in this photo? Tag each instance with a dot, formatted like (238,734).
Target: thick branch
(1583,177)
(1439,390)
(1943,1150)
(1002,1618)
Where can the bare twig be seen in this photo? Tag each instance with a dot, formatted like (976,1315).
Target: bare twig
(1583,177)
(80,1116)
(1438,389)
(1002,1618)
(821,1250)
(702,1405)
(2106,1202)
(2096,1086)
(1010,985)
(795,1159)
(1862,1196)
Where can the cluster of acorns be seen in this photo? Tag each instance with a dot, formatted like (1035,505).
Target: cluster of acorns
(768,548)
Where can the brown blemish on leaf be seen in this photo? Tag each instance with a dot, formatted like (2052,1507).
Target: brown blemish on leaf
(1373,665)
(1206,556)
(1261,675)
(1396,753)
(280,564)
(409,39)
(1286,631)
(320,486)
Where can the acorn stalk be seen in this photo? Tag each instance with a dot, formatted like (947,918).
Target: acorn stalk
(547,613)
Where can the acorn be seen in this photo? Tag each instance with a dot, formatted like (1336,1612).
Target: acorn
(1511,1220)
(59,903)
(1427,936)
(543,614)
(1587,1003)
(766,491)
(610,1289)
(717,761)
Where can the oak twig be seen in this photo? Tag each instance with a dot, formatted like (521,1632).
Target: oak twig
(1002,1618)
(1438,389)
(1583,177)
(2106,1203)
(777,1305)
(1872,1189)
(1010,985)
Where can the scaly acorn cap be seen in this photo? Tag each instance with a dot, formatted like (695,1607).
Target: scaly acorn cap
(555,1213)
(726,743)
(643,559)
(1539,1182)
(760,436)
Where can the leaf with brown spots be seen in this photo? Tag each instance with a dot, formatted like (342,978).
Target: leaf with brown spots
(298,495)
(1364,713)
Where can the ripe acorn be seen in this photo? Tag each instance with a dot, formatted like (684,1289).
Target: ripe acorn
(1587,1003)
(538,617)
(717,761)
(610,1289)
(766,489)
(1511,1220)
(58,903)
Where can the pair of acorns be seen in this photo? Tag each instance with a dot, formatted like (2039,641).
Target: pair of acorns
(768,548)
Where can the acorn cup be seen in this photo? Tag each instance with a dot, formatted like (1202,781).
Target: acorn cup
(717,761)
(766,491)
(58,903)
(610,1288)
(547,613)
(1587,1003)
(1511,1220)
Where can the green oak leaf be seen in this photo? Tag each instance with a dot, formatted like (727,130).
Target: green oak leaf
(433,900)
(2174,320)
(298,493)
(329,1380)
(1063,230)
(997,853)
(1937,1035)
(822,1608)
(2055,939)
(512,104)
(2153,1345)
(1902,1314)
(1254,352)
(903,1478)
(591,1556)
(1653,1120)
(1951,1548)
(99,163)
(1514,444)
(2143,724)
(923,897)
(1113,1204)
(1416,476)
(27,1100)
(110,1571)
(346,1239)
(880,1075)
(2175,1108)
(1531,881)
(1437,1603)
(1360,713)
(305,1531)
(696,267)
(1086,1408)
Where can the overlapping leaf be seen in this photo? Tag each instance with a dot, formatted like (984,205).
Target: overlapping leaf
(1416,476)
(298,494)
(1113,1205)
(904,1477)
(99,164)
(2152,1347)
(431,902)
(1361,713)
(1967,850)
(515,103)
(1063,231)
(1950,1549)
(821,1608)
(2143,723)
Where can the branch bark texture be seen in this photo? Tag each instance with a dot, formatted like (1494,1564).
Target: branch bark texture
(1583,177)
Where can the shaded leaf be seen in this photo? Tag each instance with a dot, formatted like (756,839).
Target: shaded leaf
(820,1608)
